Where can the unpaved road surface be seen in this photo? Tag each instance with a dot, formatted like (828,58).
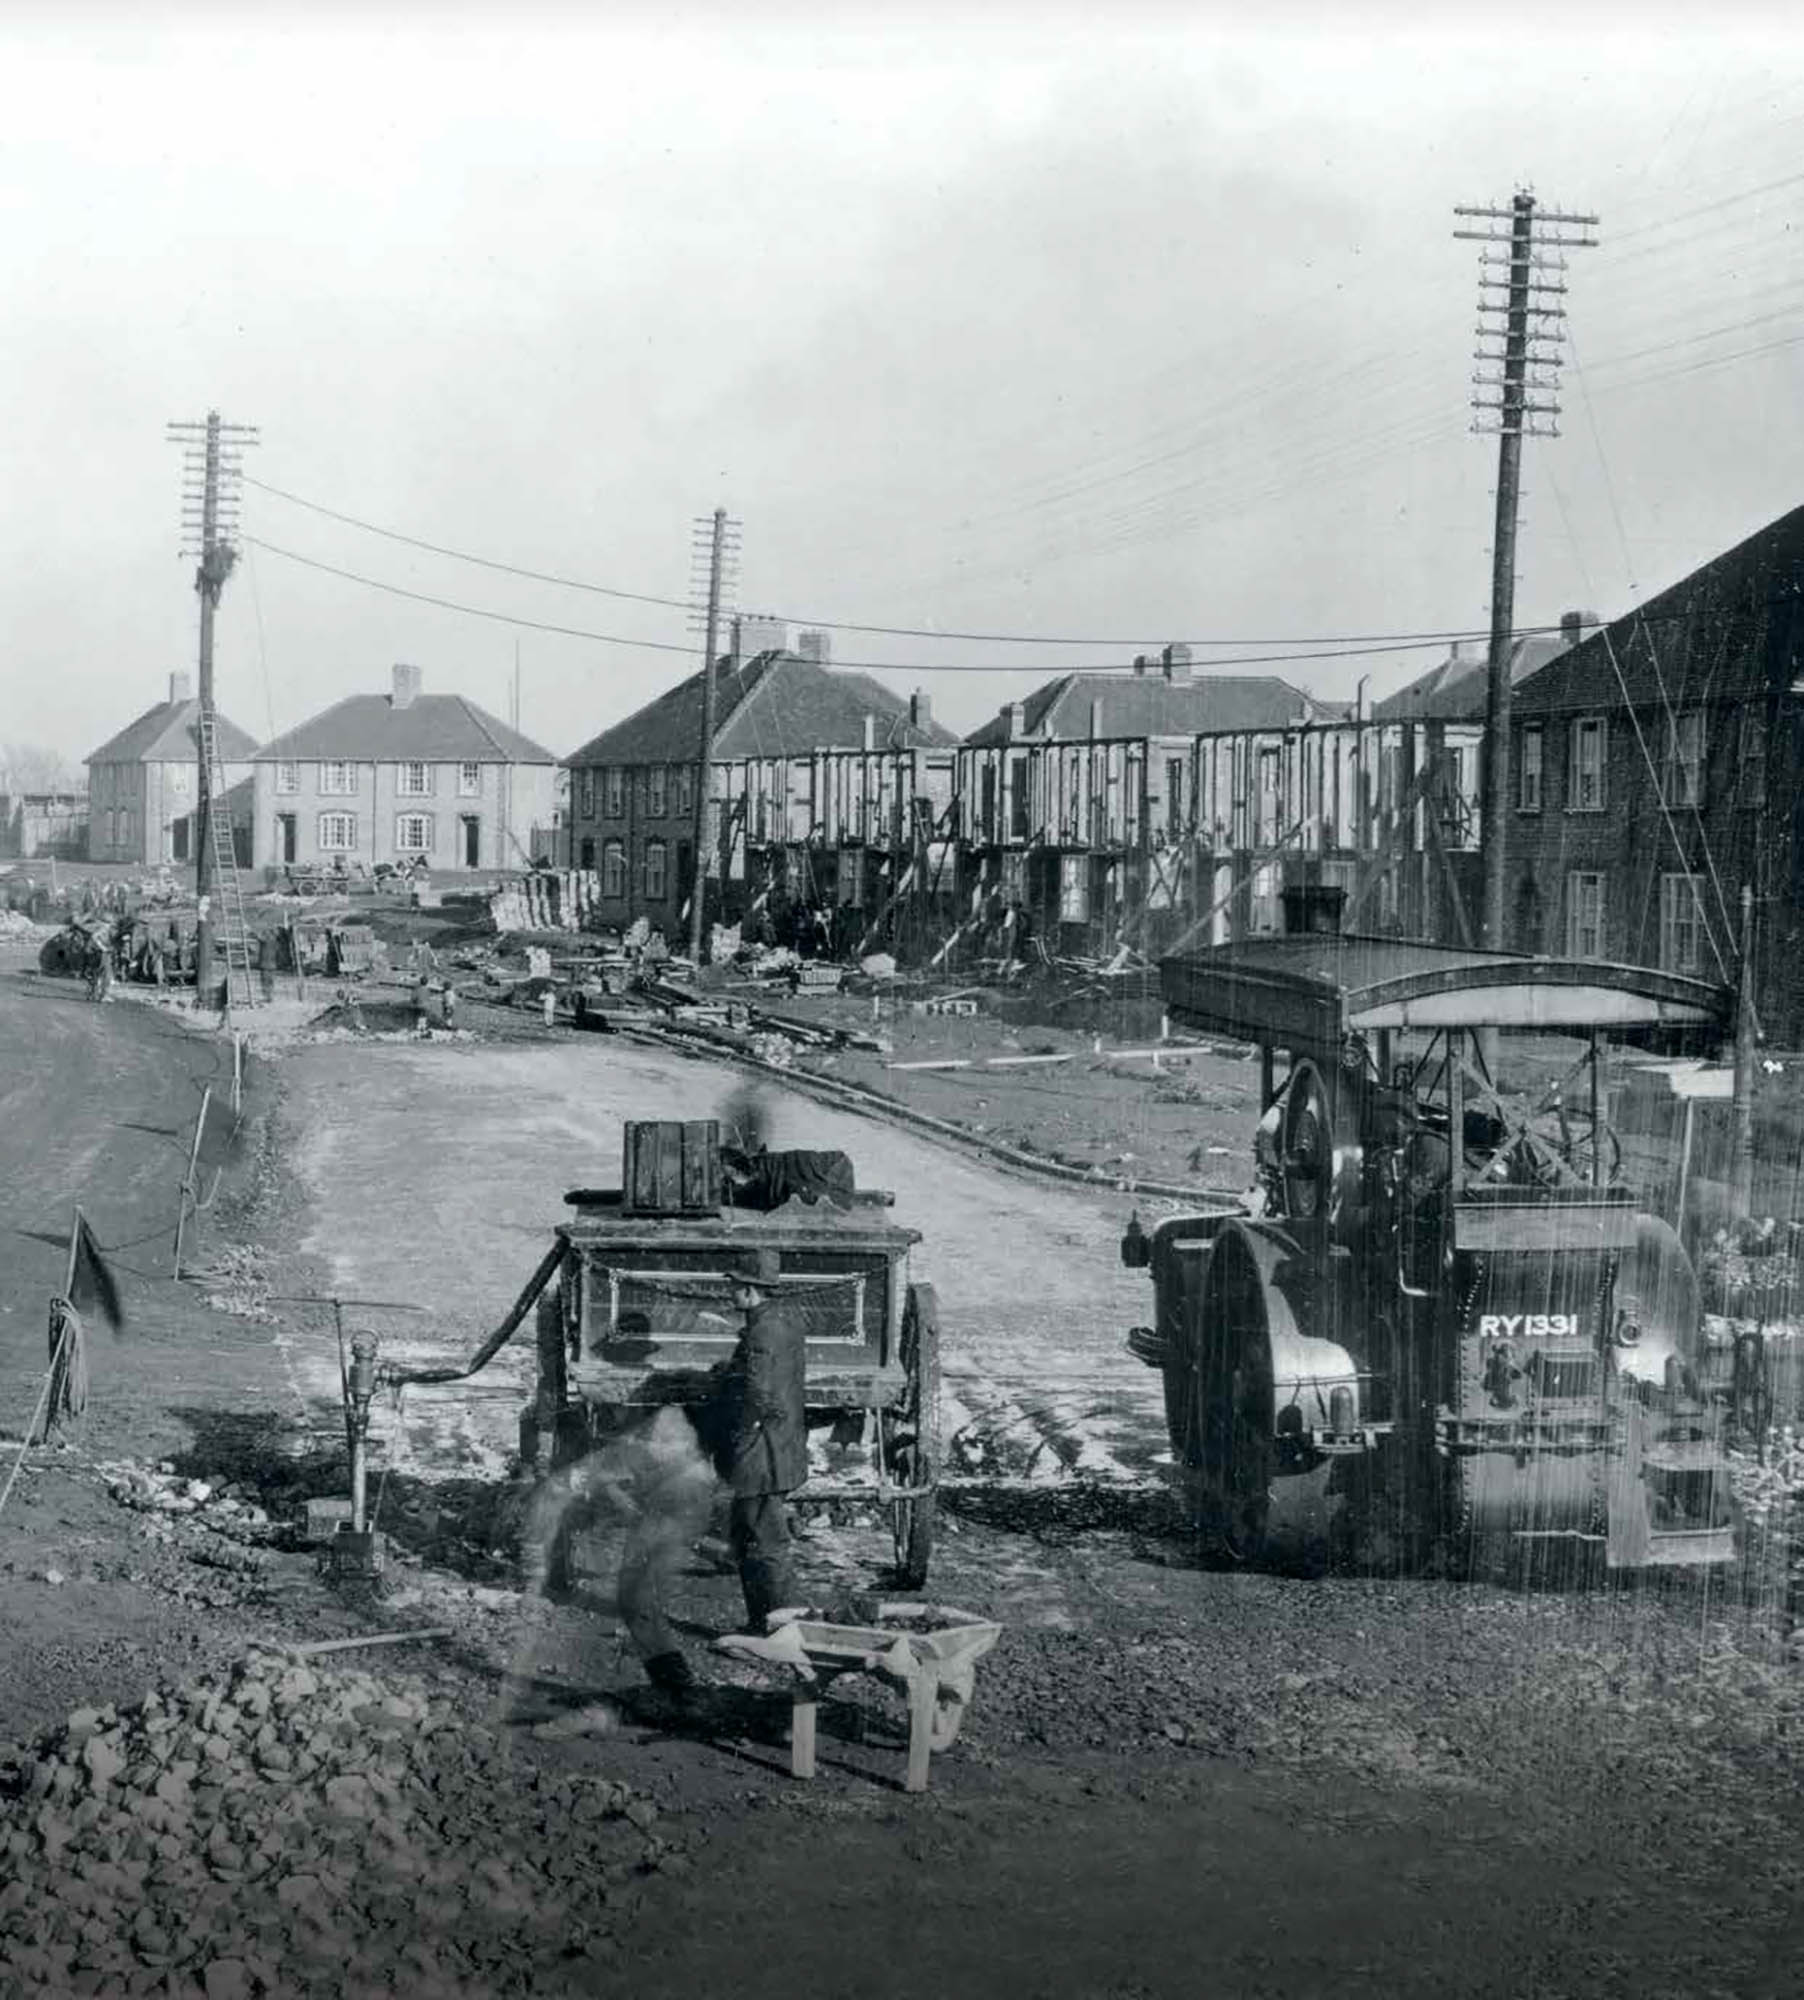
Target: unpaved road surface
(1174,1780)
(434,1173)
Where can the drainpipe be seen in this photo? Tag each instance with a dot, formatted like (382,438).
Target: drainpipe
(1744,1061)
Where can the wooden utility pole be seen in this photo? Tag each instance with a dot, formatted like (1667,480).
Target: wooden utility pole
(1526,324)
(210,508)
(719,535)
(1744,1061)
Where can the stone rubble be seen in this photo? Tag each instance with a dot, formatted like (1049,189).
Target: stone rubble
(295,1829)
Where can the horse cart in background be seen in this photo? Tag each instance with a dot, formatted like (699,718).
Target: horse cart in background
(1441,1317)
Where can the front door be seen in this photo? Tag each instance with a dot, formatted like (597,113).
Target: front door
(178,839)
(472,841)
(286,838)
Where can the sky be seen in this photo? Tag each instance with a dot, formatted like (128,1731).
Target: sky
(1114,326)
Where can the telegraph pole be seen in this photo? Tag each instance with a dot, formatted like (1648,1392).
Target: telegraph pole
(719,537)
(214,463)
(1525,323)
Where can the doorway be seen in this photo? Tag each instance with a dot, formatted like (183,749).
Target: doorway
(178,838)
(472,826)
(286,838)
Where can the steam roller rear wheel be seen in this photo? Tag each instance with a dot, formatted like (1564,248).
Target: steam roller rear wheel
(1236,1427)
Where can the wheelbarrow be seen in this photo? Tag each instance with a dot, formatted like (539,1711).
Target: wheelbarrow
(935,1669)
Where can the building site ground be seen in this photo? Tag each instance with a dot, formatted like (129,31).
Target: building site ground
(1174,1777)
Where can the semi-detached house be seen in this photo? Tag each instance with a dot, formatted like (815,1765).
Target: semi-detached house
(403,777)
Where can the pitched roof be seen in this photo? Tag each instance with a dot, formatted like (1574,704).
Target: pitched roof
(432,729)
(168,734)
(1731,631)
(774,705)
(1456,689)
(1150,705)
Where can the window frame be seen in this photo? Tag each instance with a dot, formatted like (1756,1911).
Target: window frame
(1684,776)
(613,869)
(613,791)
(657,851)
(657,791)
(328,844)
(329,786)
(685,790)
(1675,916)
(288,778)
(1531,799)
(405,770)
(469,781)
(1576,735)
(585,792)
(408,847)
(1574,913)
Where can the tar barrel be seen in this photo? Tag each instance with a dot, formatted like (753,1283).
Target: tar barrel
(671,1167)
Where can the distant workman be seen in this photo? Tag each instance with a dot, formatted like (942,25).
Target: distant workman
(266,966)
(760,1434)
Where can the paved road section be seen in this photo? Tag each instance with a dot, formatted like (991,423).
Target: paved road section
(435,1172)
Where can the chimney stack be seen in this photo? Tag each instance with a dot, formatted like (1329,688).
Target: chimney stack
(1139,665)
(181,688)
(815,646)
(870,730)
(406,686)
(1177,665)
(1017,719)
(920,710)
(1575,624)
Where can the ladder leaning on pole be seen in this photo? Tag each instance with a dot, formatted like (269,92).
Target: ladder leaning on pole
(231,934)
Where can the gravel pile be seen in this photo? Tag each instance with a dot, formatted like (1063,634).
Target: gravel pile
(296,1830)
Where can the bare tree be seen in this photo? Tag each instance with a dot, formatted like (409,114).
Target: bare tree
(31,767)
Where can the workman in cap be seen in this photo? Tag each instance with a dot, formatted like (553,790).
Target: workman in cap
(760,1434)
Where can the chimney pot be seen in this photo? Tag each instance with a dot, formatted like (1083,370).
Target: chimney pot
(1177,664)
(181,688)
(406,686)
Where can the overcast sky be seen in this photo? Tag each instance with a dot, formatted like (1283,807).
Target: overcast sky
(1122,325)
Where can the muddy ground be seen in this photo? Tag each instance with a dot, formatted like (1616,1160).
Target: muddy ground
(1174,1778)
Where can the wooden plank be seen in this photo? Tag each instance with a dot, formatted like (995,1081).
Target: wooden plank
(922,1696)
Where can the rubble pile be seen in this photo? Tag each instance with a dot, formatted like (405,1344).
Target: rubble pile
(292,1829)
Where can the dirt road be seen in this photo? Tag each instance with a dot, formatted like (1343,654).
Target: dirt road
(434,1173)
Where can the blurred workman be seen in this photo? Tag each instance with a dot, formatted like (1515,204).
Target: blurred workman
(760,1434)
(655,1486)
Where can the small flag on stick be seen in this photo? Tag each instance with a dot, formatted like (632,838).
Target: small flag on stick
(91,1287)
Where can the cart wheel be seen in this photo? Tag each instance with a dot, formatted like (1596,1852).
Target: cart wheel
(911,1521)
(911,1524)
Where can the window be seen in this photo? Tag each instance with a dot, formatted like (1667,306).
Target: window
(413,833)
(469,781)
(288,777)
(1584,916)
(656,885)
(1682,923)
(613,869)
(658,788)
(1174,796)
(1750,762)
(337,781)
(1685,758)
(1585,780)
(1020,799)
(1270,772)
(613,786)
(1074,889)
(1528,770)
(587,863)
(413,781)
(685,802)
(585,793)
(338,833)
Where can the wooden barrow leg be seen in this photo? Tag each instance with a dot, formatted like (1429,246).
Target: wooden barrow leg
(923,1700)
(802,1712)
